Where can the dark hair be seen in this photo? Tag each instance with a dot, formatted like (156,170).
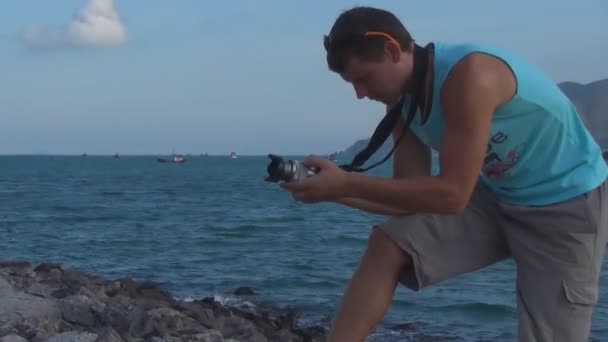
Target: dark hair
(347,36)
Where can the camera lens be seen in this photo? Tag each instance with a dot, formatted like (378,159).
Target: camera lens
(277,170)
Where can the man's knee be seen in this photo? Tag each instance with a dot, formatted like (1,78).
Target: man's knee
(381,247)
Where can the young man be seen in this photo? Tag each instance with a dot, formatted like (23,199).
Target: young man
(519,177)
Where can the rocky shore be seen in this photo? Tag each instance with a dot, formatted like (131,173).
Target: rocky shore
(51,303)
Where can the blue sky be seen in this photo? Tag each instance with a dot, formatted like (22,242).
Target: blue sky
(200,76)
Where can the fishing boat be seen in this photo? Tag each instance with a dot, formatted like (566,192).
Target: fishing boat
(174,158)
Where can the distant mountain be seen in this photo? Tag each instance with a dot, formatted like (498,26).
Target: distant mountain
(591,101)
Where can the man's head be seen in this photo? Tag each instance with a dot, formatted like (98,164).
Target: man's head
(371,49)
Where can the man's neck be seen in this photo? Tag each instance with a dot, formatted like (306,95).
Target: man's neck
(408,72)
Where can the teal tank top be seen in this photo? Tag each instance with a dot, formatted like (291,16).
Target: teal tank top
(539,151)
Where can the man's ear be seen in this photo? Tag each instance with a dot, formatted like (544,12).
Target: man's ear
(393,51)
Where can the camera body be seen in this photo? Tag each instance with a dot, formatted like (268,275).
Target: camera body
(287,170)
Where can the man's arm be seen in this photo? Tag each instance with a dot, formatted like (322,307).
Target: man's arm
(473,90)
(411,158)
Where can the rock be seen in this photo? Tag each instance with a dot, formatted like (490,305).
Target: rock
(64,292)
(166,339)
(18,307)
(116,316)
(198,312)
(52,303)
(164,321)
(108,334)
(77,309)
(312,334)
(17,268)
(73,336)
(40,290)
(12,338)
(285,335)
(288,320)
(47,267)
(244,291)
(241,329)
(209,336)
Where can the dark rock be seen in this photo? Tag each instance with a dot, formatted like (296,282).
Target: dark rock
(288,320)
(406,326)
(314,333)
(26,331)
(244,291)
(47,267)
(64,292)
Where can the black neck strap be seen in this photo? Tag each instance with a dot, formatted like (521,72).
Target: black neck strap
(386,125)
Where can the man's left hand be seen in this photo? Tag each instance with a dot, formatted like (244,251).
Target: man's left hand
(329,184)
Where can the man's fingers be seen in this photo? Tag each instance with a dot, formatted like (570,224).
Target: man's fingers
(316,161)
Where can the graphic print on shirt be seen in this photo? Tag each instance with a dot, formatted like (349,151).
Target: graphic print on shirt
(497,166)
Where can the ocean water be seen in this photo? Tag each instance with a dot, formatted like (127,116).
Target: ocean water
(210,225)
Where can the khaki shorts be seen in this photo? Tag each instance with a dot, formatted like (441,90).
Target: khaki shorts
(558,250)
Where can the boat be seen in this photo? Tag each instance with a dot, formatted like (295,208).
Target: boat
(233,155)
(175,159)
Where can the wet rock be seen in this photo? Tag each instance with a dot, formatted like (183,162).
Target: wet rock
(244,291)
(406,327)
(48,267)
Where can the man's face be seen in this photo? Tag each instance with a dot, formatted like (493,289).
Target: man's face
(378,81)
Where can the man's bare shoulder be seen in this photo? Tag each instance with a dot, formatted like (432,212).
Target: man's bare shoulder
(484,73)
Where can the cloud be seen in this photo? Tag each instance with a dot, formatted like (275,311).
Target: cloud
(97,24)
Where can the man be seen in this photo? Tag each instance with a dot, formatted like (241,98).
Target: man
(519,177)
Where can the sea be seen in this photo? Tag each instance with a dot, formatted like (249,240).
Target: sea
(212,224)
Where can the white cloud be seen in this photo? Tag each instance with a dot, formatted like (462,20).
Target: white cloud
(97,24)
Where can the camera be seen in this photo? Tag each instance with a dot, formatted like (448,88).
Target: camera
(287,170)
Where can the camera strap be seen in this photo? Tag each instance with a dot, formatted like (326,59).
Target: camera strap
(386,125)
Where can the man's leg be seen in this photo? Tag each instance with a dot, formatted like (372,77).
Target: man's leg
(558,250)
(370,290)
(418,251)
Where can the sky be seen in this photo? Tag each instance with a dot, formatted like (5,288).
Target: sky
(192,76)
